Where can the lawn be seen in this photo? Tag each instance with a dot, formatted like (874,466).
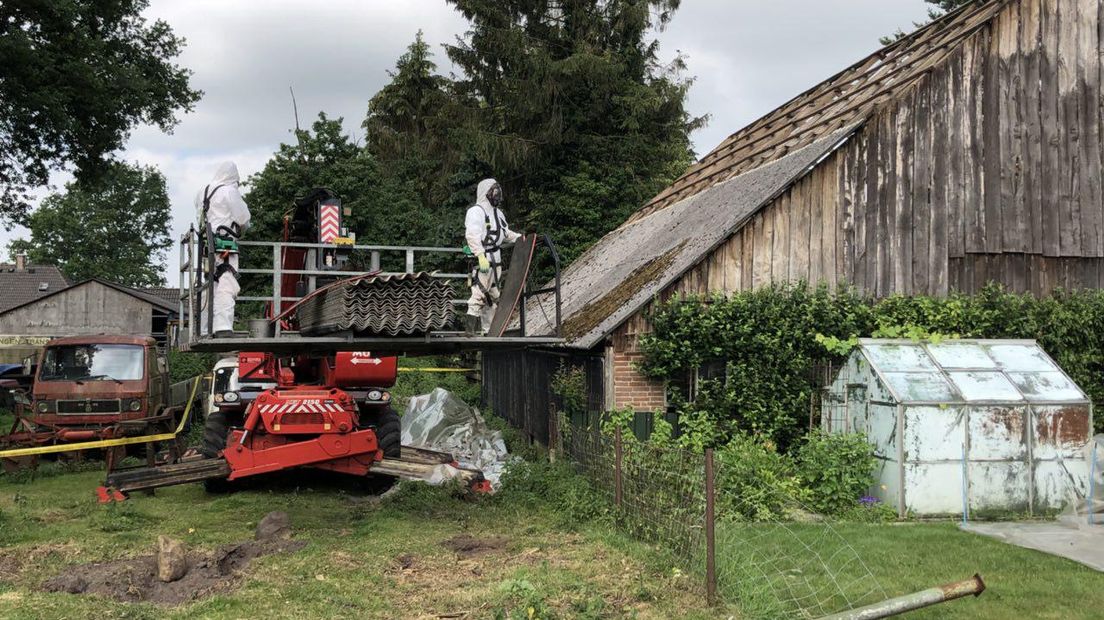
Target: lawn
(391,558)
(364,558)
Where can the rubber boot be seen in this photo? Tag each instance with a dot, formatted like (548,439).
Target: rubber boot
(473,325)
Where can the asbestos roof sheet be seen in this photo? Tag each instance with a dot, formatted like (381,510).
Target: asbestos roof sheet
(626,268)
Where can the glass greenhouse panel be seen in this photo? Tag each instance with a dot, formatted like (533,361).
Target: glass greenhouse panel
(920,387)
(982,385)
(900,357)
(1021,357)
(1046,386)
(961,355)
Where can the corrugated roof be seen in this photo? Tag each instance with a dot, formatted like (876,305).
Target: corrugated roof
(20,287)
(627,267)
(845,99)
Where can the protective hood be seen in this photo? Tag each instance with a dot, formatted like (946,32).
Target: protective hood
(226,174)
(481,192)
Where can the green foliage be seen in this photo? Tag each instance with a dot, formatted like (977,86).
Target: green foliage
(569,386)
(75,79)
(115,227)
(767,338)
(184,366)
(569,106)
(755,482)
(771,339)
(555,485)
(835,469)
(416,378)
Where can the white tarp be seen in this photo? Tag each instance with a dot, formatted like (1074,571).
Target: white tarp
(440,421)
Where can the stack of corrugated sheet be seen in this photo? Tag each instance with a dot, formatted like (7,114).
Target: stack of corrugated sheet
(405,304)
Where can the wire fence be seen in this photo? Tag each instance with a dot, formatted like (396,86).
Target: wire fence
(768,566)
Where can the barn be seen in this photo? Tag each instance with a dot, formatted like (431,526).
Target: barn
(91,307)
(965,153)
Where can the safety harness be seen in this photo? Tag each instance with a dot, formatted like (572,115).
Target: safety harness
(225,237)
(492,243)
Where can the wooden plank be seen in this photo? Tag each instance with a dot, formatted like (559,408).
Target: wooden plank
(734,270)
(887,176)
(1089,174)
(953,182)
(1009,71)
(831,239)
(902,207)
(1069,208)
(846,181)
(780,255)
(800,252)
(936,281)
(764,241)
(1029,110)
(747,277)
(973,200)
(991,133)
(919,226)
(1050,132)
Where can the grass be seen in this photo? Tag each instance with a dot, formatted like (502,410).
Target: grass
(364,558)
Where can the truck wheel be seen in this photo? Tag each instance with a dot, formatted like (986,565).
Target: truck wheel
(388,430)
(389,435)
(215,430)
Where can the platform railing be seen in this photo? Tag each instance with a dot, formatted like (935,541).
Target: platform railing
(197,267)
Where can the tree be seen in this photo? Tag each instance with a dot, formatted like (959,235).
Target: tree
(115,228)
(569,106)
(939,9)
(76,76)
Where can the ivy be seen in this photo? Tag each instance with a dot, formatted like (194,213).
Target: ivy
(771,340)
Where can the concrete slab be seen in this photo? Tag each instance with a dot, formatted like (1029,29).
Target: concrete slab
(1077,541)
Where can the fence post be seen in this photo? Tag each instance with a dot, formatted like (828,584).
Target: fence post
(617,466)
(710,534)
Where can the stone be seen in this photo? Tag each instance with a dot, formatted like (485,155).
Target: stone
(172,559)
(274,525)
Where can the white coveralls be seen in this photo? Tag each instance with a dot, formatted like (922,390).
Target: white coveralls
(228,216)
(485,230)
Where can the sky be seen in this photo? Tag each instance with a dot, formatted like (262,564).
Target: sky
(746,57)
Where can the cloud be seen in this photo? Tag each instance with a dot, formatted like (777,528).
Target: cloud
(747,56)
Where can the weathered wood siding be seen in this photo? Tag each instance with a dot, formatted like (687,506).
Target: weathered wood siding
(988,169)
(82,310)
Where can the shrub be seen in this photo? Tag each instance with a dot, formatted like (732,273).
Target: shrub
(835,469)
(184,366)
(754,481)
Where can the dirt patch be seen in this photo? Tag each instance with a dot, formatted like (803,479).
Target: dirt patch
(136,579)
(467,546)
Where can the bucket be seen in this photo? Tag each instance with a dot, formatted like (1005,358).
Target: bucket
(260,328)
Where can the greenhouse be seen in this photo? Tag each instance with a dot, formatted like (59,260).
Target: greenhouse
(979,427)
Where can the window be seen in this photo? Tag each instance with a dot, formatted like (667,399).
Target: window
(94,362)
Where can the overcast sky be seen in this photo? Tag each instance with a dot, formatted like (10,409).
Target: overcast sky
(747,57)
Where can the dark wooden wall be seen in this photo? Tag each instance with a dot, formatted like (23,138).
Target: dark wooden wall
(517,386)
(989,169)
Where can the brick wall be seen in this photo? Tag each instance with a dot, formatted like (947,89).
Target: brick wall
(630,388)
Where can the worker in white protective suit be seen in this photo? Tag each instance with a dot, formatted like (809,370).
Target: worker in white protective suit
(486,231)
(222,211)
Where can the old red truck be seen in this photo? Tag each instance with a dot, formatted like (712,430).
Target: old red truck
(98,387)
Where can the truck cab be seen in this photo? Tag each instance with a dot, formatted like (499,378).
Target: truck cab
(86,386)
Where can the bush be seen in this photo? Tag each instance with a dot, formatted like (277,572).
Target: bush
(414,382)
(754,481)
(835,469)
(184,366)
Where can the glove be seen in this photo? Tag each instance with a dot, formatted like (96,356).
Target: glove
(484,264)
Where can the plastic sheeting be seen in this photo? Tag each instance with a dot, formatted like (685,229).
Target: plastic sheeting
(440,421)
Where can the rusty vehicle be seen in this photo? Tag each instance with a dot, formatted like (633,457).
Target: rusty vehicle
(88,388)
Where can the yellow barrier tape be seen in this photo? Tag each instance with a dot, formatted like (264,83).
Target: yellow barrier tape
(438,369)
(108,443)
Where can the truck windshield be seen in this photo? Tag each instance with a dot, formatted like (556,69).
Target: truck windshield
(93,362)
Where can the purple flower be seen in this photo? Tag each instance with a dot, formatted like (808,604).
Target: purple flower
(866,500)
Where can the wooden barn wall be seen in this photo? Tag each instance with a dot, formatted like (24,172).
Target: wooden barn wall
(82,310)
(989,169)
(517,386)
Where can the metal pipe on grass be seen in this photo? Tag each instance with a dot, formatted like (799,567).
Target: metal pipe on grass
(917,600)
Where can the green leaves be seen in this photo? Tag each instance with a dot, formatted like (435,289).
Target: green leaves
(115,228)
(75,79)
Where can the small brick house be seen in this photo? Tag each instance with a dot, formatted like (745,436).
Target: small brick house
(965,153)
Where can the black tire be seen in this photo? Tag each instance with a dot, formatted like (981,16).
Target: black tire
(215,430)
(385,421)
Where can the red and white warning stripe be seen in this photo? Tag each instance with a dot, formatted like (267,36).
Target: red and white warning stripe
(310,406)
(330,225)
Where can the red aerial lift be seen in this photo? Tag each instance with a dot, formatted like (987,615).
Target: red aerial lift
(325,401)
